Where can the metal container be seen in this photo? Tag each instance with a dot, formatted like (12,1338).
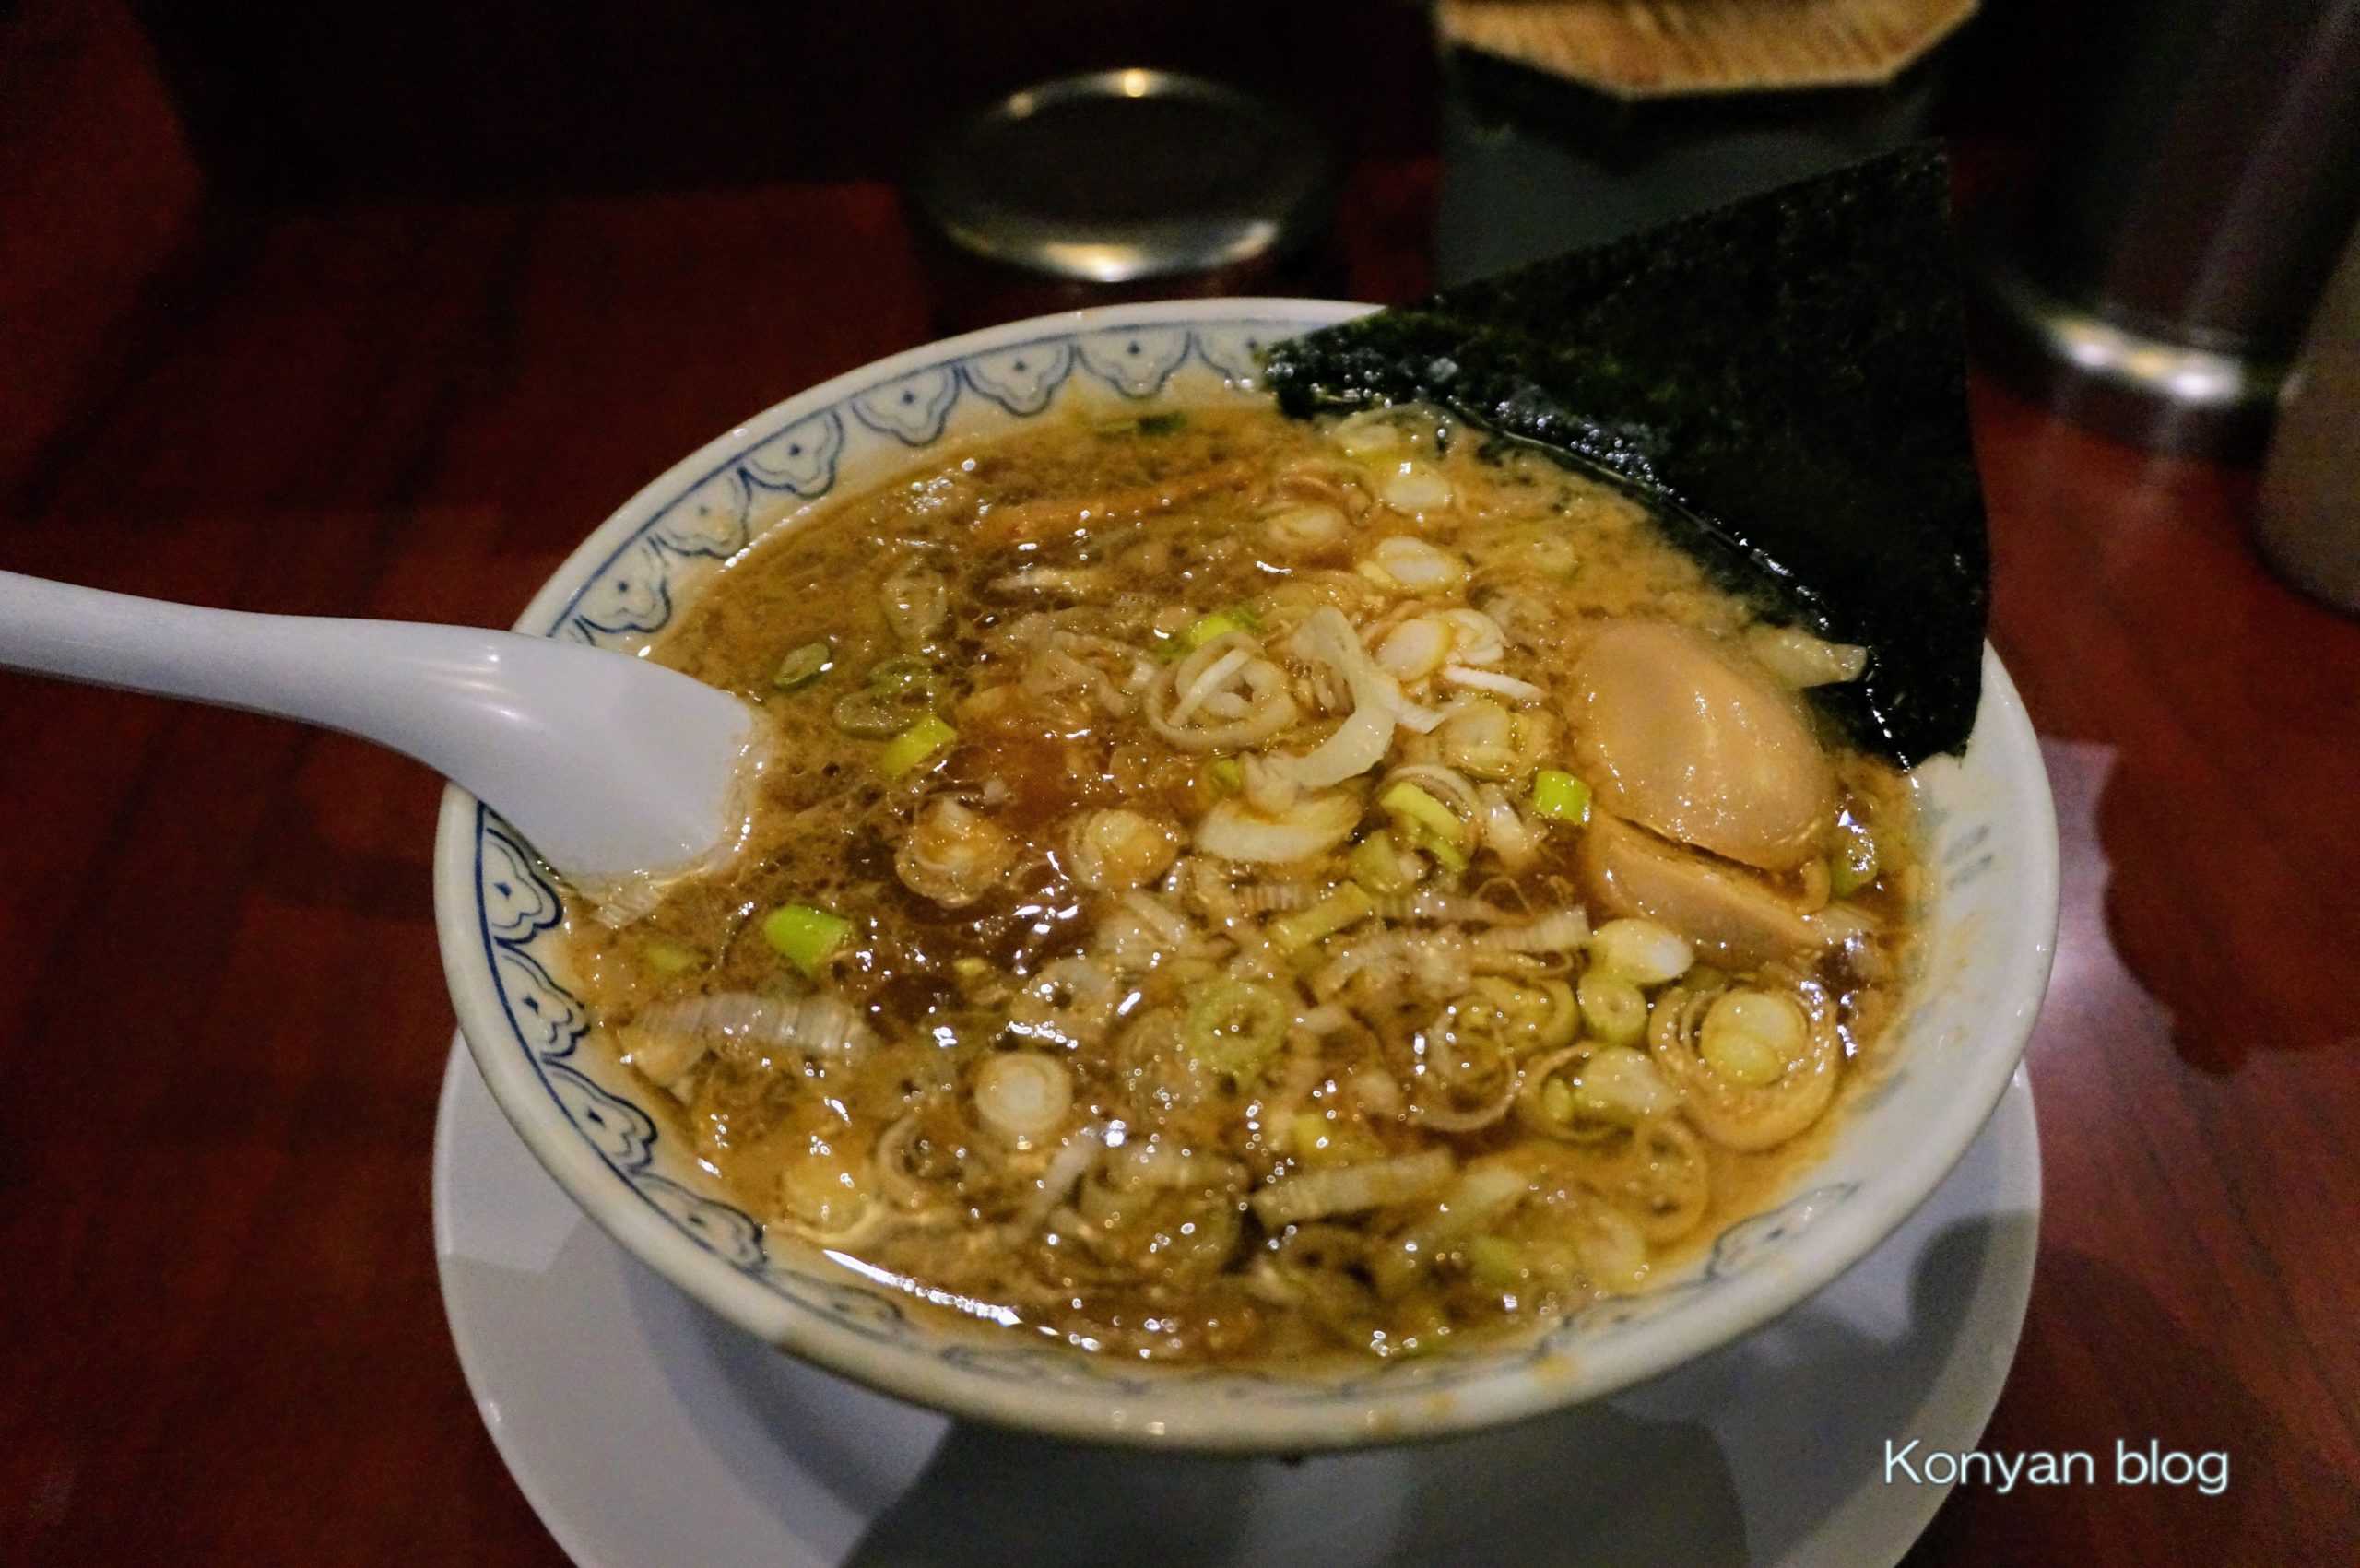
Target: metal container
(1120,184)
(2157,283)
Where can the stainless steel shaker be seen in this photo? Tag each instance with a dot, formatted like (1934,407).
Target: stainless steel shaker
(2157,283)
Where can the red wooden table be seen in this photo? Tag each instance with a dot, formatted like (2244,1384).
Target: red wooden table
(222,1023)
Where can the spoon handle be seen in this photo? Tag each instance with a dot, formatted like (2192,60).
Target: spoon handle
(608,763)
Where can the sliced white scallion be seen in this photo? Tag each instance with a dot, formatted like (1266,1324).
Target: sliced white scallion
(1347,1189)
(1506,833)
(1080,1156)
(1371,433)
(1425,721)
(953,855)
(1800,659)
(664,1056)
(1023,1095)
(1314,825)
(1641,952)
(1507,686)
(1750,1037)
(1209,681)
(1361,741)
(1264,707)
(1620,1084)
(1476,637)
(1113,849)
(1613,1251)
(1483,1190)
(670,1038)
(1303,530)
(1415,648)
(1558,931)
(1614,1008)
(1478,738)
(1414,487)
(1408,565)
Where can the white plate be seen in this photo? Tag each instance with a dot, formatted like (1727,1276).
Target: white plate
(647,1433)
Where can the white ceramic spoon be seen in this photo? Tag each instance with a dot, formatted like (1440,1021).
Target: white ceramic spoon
(614,768)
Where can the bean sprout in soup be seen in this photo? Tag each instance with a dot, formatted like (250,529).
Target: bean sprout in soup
(1231,889)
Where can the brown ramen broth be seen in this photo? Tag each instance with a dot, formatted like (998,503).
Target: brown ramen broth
(1230,889)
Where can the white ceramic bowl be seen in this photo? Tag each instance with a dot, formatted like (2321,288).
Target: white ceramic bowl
(1992,922)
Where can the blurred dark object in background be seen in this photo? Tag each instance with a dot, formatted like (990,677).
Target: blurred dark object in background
(98,192)
(1126,184)
(2156,279)
(146,147)
(1571,122)
(306,102)
(2307,517)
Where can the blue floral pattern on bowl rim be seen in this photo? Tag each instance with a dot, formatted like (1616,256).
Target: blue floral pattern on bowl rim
(702,513)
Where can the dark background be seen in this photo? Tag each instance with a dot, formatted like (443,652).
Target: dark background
(141,138)
(328,102)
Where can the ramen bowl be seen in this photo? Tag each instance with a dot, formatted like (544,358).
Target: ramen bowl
(603,1133)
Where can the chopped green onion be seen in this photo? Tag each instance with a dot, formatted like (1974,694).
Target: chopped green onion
(1234,1026)
(1557,1100)
(1206,630)
(1450,856)
(1559,794)
(1614,1008)
(804,666)
(1228,775)
(668,957)
(805,936)
(1427,823)
(1854,864)
(1557,1027)
(1414,804)
(914,746)
(1346,905)
(1311,1138)
(1236,618)
(1376,865)
(1496,1262)
(904,675)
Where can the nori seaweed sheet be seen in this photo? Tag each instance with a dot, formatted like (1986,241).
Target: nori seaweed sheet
(1783,381)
